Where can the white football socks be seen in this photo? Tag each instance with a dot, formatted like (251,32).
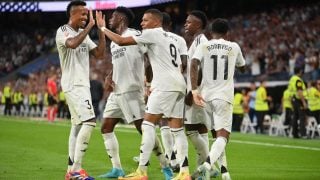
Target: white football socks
(200,145)
(72,144)
(217,148)
(181,142)
(82,144)
(158,151)
(147,144)
(167,141)
(112,147)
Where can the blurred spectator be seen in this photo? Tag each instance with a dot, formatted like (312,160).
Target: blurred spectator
(239,105)
(7,92)
(261,105)
(314,101)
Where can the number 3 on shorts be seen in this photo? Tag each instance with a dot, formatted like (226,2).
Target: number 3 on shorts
(89,105)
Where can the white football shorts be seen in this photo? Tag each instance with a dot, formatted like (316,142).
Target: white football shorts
(221,112)
(80,104)
(197,115)
(168,103)
(128,106)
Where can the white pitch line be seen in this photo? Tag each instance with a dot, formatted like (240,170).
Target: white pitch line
(129,130)
(275,145)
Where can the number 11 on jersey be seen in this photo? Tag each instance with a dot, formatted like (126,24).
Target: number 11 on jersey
(215,66)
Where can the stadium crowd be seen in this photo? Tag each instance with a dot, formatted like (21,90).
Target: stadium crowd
(20,47)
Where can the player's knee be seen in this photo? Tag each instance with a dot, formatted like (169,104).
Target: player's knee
(192,133)
(222,133)
(90,123)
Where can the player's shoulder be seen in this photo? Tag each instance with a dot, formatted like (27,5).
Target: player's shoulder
(177,37)
(131,31)
(201,38)
(64,30)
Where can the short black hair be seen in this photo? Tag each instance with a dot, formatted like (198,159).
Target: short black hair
(127,12)
(156,13)
(166,19)
(220,26)
(202,16)
(74,3)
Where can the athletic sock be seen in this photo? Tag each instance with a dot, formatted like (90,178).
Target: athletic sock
(158,151)
(222,160)
(206,139)
(200,145)
(72,144)
(112,148)
(147,144)
(82,144)
(181,142)
(167,141)
(217,148)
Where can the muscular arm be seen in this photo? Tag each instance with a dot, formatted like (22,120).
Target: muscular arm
(75,41)
(121,41)
(98,52)
(194,73)
(148,69)
(184,61)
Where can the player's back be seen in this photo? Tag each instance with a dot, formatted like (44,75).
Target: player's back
(164,58)
(219,59)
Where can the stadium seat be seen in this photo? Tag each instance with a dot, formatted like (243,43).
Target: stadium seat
(247,126)
(277,127)
(312,126)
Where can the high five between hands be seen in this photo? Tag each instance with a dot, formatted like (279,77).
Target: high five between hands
(100,19)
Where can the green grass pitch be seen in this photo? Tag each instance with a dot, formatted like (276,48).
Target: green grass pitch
(38,150)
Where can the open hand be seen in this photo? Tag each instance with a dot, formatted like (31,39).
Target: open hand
(91,19)
(100,18)
(198,100)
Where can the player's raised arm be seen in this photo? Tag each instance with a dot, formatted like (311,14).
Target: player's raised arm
(98,52)
(121,41)
(75,41)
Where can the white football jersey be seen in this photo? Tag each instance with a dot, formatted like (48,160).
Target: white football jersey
(218,59)
(128,65)
(164,59)
(201,38)
(182,45)
(74,62)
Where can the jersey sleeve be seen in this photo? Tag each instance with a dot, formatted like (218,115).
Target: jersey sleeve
(183,49)
(62,36)
(198,54)
(142,47)
(240,60)
(147,37)
(90,43)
